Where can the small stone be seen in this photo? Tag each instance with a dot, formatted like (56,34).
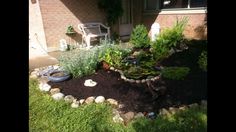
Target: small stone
(69,98)
(115,112)
(34,74)
(58,96)
(194,105)
(137,81)
(173,110)
(81,101)
(138,115)
(118,119)
(143,81)
(164,112)
(153,79)
(112,68)
(44,87)
(151,115)
(122,77)
(156,78)
(55,67)
(115,70)
(128,116)
(132,80)
(54,91)
(90,83)
(183,108)
(89,100)
(147,80)
(112,102)
(120,106)
(75,105)
(36,69)
(100,99)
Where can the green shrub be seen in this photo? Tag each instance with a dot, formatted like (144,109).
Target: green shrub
(79,62)
(168,39)
(202,61)
(175,73)
(139,37)
(113,55)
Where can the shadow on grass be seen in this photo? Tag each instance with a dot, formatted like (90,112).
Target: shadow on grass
(194,120)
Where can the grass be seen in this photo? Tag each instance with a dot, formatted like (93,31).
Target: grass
(48,115)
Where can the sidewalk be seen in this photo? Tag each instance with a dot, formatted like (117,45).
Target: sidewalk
(39,58)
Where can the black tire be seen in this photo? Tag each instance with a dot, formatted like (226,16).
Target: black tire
(58,78)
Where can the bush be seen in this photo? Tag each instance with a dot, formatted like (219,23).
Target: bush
(139,37)
(203,61)
(113,55)
(79,63)
(168,39)
(175,73)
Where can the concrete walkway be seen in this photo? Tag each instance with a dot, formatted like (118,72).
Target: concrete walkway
(39,58)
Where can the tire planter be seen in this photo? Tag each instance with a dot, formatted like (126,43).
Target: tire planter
(58,76)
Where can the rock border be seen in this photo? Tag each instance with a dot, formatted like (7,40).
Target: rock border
(118,116)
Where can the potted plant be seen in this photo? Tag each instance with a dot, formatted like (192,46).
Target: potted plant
(70,30)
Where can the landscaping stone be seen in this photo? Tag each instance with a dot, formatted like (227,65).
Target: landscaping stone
(147,80)
(55,67)
(183,108)
(44,87)
(143,81)
(100,99)
(164,112)
(112,68)
(132,80)
(112,101)
(128,116)
(138,115)
(90,83)
(54,91)
(137,81)
(173,110)
(34,74)
(118,119)
(81,101)
(194,105)
(58,96)
(75,104)
(115,112)
(120,106)
(89,100)
(69,98)
(156,78)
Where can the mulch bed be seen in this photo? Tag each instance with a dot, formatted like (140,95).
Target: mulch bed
(136,97)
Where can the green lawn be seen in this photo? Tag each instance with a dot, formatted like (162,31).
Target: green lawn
(48,115)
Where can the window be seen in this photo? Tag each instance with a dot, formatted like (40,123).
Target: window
(151,5)
(168,4)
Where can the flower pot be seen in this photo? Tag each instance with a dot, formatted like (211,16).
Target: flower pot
(105,65)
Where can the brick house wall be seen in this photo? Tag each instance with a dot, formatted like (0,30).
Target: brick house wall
(58,14)
(195,28)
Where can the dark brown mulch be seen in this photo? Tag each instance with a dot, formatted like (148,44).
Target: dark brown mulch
(136,97)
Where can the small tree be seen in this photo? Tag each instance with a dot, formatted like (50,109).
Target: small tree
(139,37)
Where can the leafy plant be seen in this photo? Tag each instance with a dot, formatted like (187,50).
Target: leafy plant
(168,39)
(137,72)
(202,61)
(113,55)
(113,9)
(139,37)
(70,29)
(79,63)
(175,73)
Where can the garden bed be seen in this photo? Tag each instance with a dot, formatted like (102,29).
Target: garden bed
(136,97)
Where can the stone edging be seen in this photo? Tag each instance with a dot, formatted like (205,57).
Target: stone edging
(122,76)
(118,116)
